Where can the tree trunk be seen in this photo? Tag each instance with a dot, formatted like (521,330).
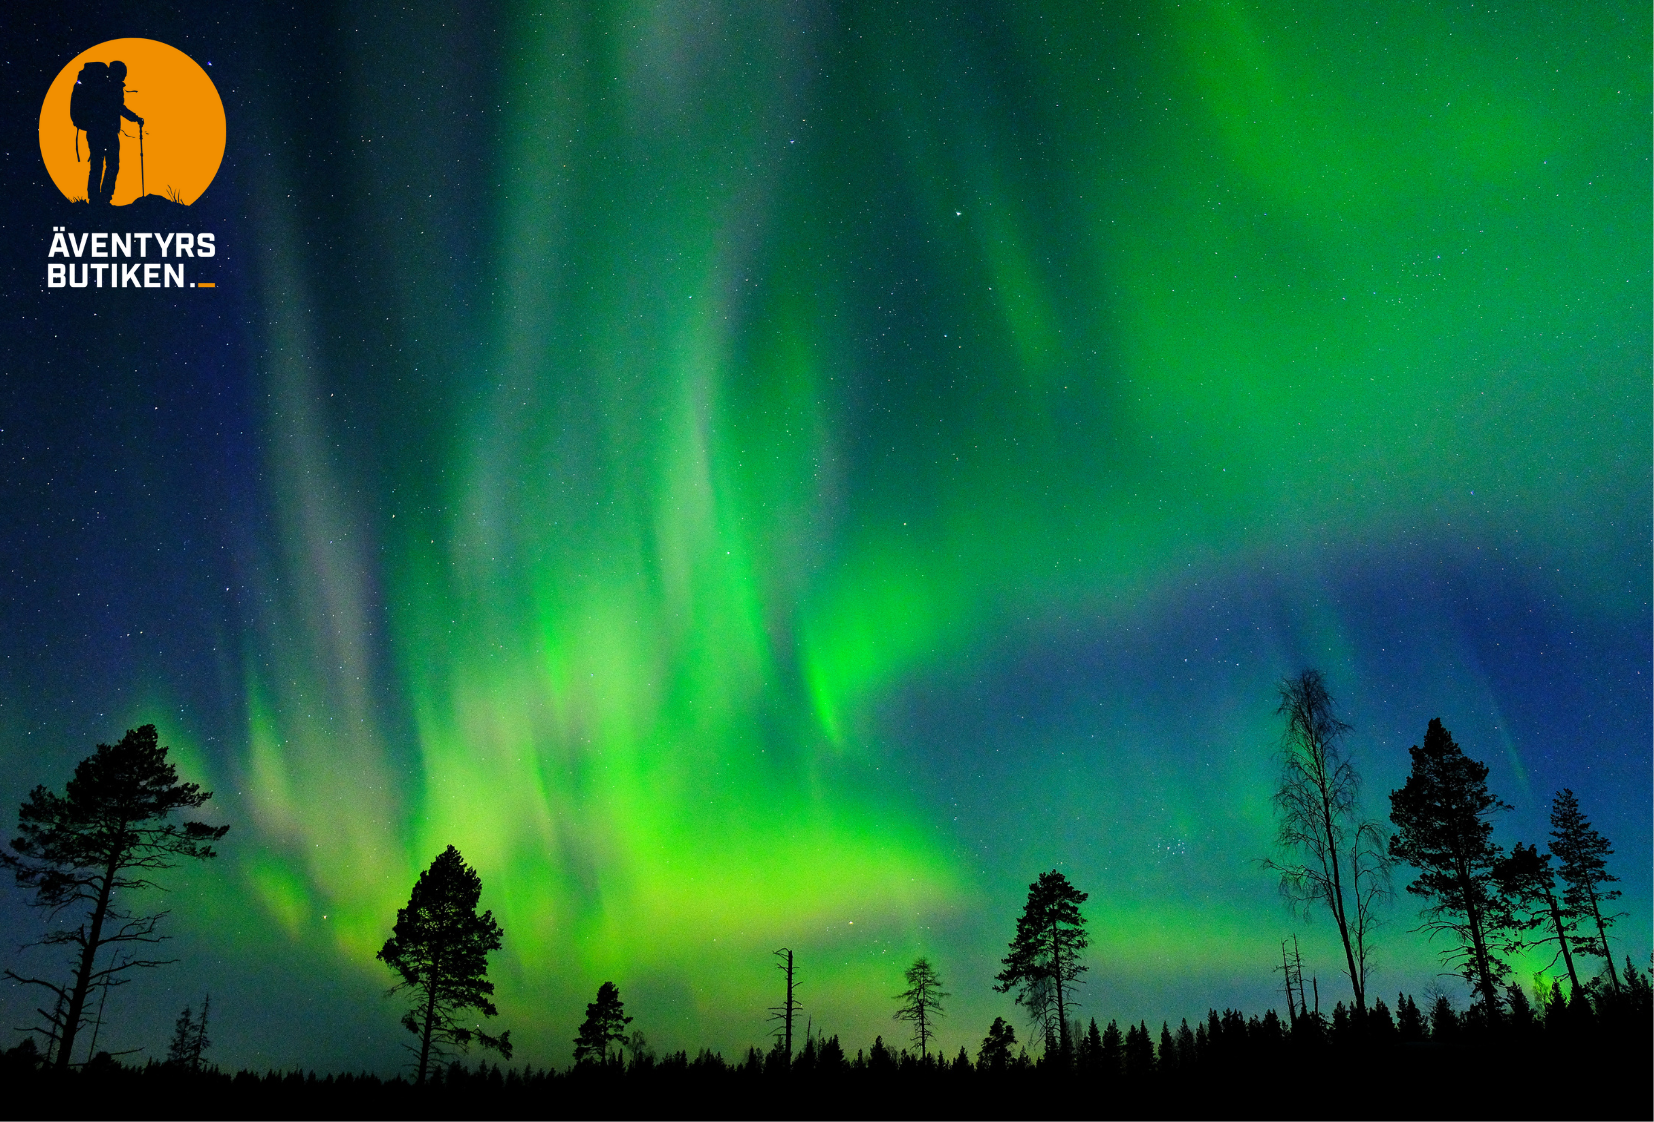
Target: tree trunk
(430,1018)
(789,1007)
(1473,913)
(1338,894)
(1561,937)
(1602,933)
(1062,1014)
(88,953)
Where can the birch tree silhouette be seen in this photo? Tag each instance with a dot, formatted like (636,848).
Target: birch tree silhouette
(1330,856)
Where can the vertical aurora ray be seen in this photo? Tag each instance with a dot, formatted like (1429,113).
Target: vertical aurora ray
(872,415)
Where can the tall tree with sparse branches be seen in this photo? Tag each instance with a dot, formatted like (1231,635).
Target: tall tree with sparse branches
(1528,884)
(1044,959)
(922,1002)
(1581,855)
(1329,855)
(440,947)
(87,851)
(1442,829)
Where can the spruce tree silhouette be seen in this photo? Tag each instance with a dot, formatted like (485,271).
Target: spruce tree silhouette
(1581,853)
(1139,1051)
(921,1003)
(1444,1022)
(101,840)
(189,1037)
(440,946)
(1114,1053)
(1090,1055)
(1044,958)
(605,1024)
(1442,830)
(1519,1008)
(183,1034)
(1331,856)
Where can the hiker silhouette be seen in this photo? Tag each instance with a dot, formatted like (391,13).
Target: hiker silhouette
(96,106)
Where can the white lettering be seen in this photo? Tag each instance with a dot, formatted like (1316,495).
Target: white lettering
(143,243)
(99,241)
(184,243)
(151,272)
(80,245)
(130,277)
(84,269)
(169,279)
(97,268)
(161,241)
(58,246)
(122,244)
(204,242)
(55,274)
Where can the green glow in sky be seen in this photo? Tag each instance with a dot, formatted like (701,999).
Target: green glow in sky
(819,361)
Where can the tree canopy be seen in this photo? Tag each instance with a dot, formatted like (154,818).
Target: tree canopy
(89,848)
(1044,956)
(605,1024)
(1443,830)
(440,948)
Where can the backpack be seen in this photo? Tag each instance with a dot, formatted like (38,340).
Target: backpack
(87,99)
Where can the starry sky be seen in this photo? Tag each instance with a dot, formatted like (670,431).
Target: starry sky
(785,474)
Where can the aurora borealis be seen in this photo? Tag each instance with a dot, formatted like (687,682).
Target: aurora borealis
(758,475)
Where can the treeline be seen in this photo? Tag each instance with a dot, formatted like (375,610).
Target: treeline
(1480,904)
(1585,1056)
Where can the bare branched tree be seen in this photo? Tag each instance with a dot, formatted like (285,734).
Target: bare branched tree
(922,1003)
(1328,856)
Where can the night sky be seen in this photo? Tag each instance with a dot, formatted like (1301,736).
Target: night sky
(785,474)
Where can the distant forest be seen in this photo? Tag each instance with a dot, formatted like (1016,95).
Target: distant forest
(1584,1048)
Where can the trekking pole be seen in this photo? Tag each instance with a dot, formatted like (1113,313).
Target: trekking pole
(142,189)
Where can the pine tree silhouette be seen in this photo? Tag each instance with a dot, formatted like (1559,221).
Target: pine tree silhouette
(440,947)
(605,1024)
(96,845)
(1044,958)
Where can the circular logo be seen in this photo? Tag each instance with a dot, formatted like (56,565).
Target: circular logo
(132,119)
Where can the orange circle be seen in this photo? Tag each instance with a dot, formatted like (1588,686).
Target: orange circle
(183,130)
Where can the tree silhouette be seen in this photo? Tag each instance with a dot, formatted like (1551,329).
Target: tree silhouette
(921,1002)
(605,1024)
(440,947)
(1442,830)
(1114,1052)
(1139,1051)
(1581,853)
(1331,857)
(1045,955)
(995,1054)
(183,1035)
(787,1012)
(189,1037)
(1528,885)
(105,837)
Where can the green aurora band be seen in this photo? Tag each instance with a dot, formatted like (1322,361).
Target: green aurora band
(818,358)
